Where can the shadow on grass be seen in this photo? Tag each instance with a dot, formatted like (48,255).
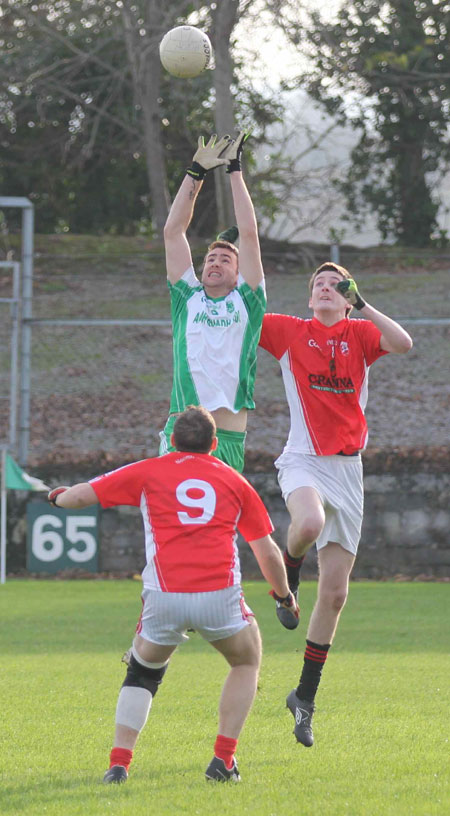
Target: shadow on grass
(56,791)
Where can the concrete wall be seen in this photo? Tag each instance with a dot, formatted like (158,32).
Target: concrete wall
(406,527)
(405,530)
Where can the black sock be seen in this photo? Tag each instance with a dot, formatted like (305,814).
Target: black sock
(293,566)
(314,658)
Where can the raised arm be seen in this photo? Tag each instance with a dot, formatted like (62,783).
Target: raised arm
(250,264)
(394,338)
(178,253)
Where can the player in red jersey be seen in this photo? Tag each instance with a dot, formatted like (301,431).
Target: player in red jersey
(192,506)
(325,364)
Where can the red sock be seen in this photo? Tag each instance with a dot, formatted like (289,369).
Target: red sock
(224,748)
(120,756)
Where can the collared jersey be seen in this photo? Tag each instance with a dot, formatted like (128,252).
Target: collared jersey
(325,372)
(214,344)
(192,506)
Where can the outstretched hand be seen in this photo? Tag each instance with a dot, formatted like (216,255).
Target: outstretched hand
(234,151)
(208,156)
(349,290)
(53,495)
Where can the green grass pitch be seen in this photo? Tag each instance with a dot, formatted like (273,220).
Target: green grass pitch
(381,724)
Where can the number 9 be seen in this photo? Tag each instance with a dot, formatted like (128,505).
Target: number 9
(206,503)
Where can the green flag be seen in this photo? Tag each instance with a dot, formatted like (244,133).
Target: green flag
(17,479)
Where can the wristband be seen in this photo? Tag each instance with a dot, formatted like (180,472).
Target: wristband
(233,166)
(196,171)
(359,302)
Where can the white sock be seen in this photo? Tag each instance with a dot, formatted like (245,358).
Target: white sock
(133,707)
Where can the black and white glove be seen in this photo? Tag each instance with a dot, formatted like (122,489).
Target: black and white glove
(234,151)
(53,495)
(208,156)
(348,289)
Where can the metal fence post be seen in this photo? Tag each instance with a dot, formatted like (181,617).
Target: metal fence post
(14,310)
(15,315)
(27,312)
(334,253)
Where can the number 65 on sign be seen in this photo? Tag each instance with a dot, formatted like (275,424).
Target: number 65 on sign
(61,539)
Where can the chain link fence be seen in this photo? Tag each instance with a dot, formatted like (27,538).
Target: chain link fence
(101,354)
(97,388)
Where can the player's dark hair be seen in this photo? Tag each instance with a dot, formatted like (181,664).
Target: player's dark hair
(330,266)
(194,430)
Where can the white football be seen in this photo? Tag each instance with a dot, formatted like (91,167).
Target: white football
(185,51)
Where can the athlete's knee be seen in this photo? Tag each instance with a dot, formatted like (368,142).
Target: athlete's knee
(305,531)
(140,676)
(334,597)
(250,650)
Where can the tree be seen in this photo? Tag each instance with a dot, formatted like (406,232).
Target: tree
(93,130)
(92,126)
(84,78)
(224,19)
(297,190)
(384,68)
(66,117)
(142,35)
(98,136)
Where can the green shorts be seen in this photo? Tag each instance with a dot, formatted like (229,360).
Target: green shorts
(230,448)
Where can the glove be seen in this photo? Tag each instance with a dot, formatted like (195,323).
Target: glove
(231,235)
(207,157)
(289,602)
(348,289)
(53,495)
(234,151)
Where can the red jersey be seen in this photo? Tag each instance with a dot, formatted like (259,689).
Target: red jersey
(192,505)
(325,371)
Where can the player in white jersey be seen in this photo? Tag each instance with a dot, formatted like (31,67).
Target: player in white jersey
(216,322)
(192,506)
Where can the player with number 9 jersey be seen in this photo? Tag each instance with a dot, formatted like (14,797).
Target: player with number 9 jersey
(192,506)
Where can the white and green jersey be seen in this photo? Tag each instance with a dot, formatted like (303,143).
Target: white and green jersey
(214,344)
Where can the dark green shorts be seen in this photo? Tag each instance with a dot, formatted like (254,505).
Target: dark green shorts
(230,448)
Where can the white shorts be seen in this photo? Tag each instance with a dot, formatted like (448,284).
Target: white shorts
(339,483)
(215,615)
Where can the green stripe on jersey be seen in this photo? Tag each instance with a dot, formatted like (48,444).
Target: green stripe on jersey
(183,387)
(247,362)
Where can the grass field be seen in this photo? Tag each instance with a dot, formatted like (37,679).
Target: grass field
(381,724)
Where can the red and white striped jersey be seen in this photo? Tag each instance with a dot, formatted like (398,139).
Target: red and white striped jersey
(325,371)
(192,505)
